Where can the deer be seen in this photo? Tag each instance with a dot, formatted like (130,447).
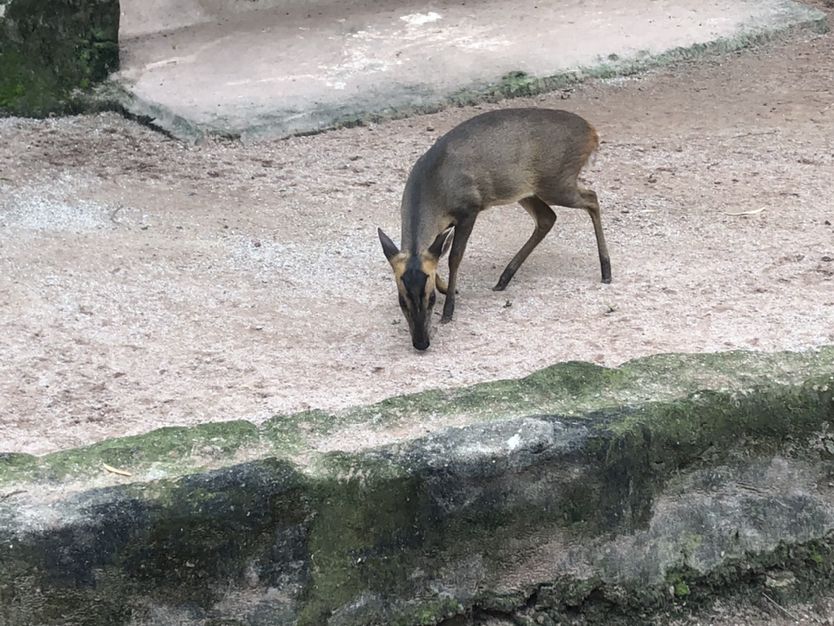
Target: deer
(532,156)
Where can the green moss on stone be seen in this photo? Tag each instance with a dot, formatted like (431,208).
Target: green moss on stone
(429,612)
(656,395)
(572,388)
(212,527)
(170,447)
(17,462)
(49,48)
(635,602)
(681,589)
(287,432)
(176,543)
(366,507)
(676,432)
(810,562)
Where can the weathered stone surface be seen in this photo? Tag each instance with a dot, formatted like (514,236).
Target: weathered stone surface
(627,505)
(49,48)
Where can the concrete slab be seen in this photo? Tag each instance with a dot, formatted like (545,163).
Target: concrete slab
(294,68)
(147,17)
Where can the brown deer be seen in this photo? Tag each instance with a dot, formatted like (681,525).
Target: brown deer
(530,156)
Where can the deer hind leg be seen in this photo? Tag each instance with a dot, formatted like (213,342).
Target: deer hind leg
(545,218)
(590,203)
(576,197)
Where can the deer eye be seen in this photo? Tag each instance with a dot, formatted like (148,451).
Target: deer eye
(402,302)
(432,299)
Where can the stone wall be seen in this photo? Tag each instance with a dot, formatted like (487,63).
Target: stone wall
(623,492)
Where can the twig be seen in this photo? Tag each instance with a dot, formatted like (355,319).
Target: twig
(755,133)
(6,496)
(780,607)
(750,212)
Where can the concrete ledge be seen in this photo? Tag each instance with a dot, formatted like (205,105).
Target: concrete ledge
(578,491)
(147,17)
(303,70)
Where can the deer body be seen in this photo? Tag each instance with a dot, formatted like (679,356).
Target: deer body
(531,156)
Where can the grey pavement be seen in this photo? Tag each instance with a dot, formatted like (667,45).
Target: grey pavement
(292,68)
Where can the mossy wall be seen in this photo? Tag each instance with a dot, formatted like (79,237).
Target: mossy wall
(578,494)
(51,48)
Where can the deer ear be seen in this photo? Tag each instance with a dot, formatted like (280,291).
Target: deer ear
(388,247)
(441,243)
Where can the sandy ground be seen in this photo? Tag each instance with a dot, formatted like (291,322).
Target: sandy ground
(144,283)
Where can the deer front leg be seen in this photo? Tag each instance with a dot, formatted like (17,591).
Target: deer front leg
(463,229)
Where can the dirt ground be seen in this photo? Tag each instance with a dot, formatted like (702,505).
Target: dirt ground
(145,283)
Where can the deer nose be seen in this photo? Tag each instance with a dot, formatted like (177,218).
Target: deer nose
(421,345)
